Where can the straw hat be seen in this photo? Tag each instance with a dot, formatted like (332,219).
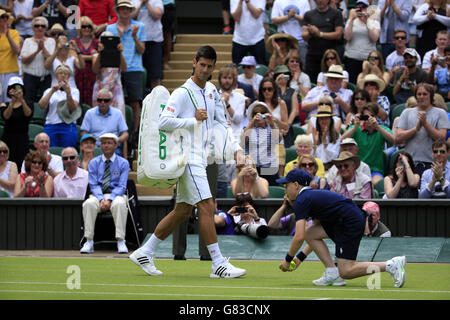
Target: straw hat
(335,71)
(324,110)
(372,78)
(124,3)
(280,35)
(56,28)
(346,155)
(10,16)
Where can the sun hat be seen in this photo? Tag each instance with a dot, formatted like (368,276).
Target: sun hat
(10,16)
(346,155)
(248,61)
(109,136)
(57,27)
(62,109)
(253,105)
(349,141)
(372,78)
(324,110)
(281,35)
(335,71)
(124,3)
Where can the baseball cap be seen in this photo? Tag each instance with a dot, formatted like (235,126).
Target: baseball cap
(349,141)
(412,52)
(87,136)
(297,175)
(362,2)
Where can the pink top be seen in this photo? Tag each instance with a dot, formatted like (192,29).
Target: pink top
(66,187)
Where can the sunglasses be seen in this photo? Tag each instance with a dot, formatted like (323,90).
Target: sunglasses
(247,67)
(330,58)
(86,27)
(4,151)
(309,165)
(374,58)
(270,89)
(5,16)
(400,38)
(103,100)
(360,99)
(370,83)
(344,165)
(40,26)
(36,162)
(69,157)
(439,151)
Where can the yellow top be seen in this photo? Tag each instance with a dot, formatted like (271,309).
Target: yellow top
(8,60)
(320,170)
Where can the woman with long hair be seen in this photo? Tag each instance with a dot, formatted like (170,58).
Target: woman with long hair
(8,170)
(374,65)
(402,182)
(359,99)
(34,182)
(329,58)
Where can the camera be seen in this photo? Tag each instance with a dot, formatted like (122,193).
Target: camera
(333,95)
(262,117)
(401,164)
(364,117)
(256,231)
(66,45)
(442,59)
(285,77)
(241,209)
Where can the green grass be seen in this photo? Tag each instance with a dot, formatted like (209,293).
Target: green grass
(30,278)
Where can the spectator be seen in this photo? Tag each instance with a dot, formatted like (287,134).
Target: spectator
(23,13)
(71,183)
(349,145)
(304,145)
(282,77)
(109,77)
(402,182)
(132,36)
(341,96)
(10,44)
(371,138)
(325,101)
(68,54)
(348,182)
(55,31)
(435,181)
(289,16)
(249,215)
(309,163)
(249,75)
(35,50)
(430,18)
(248,180)
(7,5)
(374,85)
(34,182)
(395,60)
(101,12)
(224,223)
(16,114)
(54,11)
(362,34)
(41,144)
(406,80)
(104,119)
(394,16)
(374,226)
(61,100)
(438,53)
(375,65)
(322,29)
(359,98)
(248,35)
(226,16)
(87,149)
(269,26)
(281,221)
(150,13)
(8,170)
(261,141)
(281,46)
(87,46)
(108,176)
(418,127)
(325,136)
(169,21)
(440,76)
(300,81)
(329,58)
(246,88)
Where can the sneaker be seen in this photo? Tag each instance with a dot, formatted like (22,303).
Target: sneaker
(396,268)
(145,261)
(328,279)
(226,270)
(88,247)
(122,247)
(339,282)
(226,30)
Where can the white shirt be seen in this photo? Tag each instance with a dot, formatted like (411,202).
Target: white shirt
(317,92)
(360,45)
(70,63)
(254,81)
(248,30)
(292,26)
(24,8)
(153,28)
(237,102)
(427,59)
(36,67)
(55,164)
(394,60)
(52,115)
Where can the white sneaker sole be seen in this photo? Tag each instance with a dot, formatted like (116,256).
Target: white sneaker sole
(402,262)
(142,261)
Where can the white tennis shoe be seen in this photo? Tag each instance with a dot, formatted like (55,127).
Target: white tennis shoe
(396,268)
(330,279)
(146,263)
(226,270)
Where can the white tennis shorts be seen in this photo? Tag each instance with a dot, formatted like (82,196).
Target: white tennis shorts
(193,186)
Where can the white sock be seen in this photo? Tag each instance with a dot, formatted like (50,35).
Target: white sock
(216,255)
(333,271)
(150,246)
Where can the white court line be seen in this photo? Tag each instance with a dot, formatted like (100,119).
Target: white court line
(183,295)
(400,290)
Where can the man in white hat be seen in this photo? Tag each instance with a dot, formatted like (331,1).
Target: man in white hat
(406,80)
(249,74)
(108,175)
(341,96)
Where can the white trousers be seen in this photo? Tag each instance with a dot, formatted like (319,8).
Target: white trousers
(91,207)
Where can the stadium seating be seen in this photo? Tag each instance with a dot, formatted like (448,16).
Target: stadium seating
(1,130)
(33,130)
(56,150)
(291,154)
(396,112)
(379,188)
(129,117)
(276,192)
(39,115)
(4,194)
(351,86)
(298,130)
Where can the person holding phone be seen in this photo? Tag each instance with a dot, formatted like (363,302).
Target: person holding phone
(243,210)
(248,180)
(402,182)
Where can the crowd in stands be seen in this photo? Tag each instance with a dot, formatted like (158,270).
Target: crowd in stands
(354,92)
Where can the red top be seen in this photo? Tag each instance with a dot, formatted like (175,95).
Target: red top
(31,192)
(100,11)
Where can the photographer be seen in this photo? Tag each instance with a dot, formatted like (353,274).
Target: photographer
(246,218)
(374,227)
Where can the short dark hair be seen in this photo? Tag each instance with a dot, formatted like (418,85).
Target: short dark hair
(243,198)
(372,107)
(439,143)
(206,52)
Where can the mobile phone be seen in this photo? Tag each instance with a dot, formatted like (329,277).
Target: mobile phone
(285,77)
(241,210)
